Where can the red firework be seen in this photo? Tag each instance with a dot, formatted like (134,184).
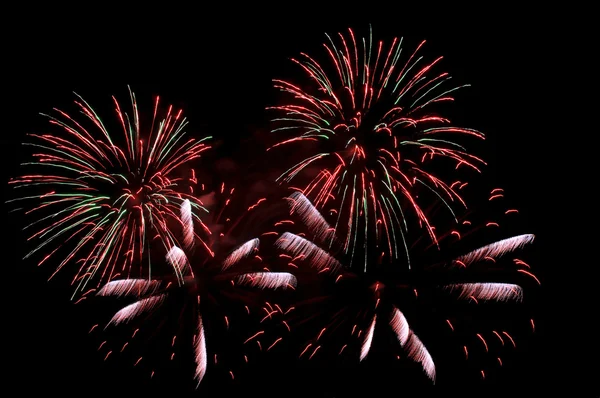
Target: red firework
(371,117)
(105,193)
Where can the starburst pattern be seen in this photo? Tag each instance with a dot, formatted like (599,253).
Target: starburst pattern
(105,192)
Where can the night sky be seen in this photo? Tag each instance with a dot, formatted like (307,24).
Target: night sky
(217,65)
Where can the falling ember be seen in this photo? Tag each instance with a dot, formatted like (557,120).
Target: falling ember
(256,204)
(254,336)
(321,333)
(305,349)
(483,341)
(499,337)
(530,274)
(510,338)
(287,326)
(274,343)
(521,262)
(314,352)
(343,348)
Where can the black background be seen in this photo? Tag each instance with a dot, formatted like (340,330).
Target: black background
(217,62)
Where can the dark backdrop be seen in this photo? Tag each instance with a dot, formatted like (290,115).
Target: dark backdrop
(217,62)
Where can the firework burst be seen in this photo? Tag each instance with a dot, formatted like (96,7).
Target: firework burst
(370,114)
(106,193)
(217,268)
(363,304)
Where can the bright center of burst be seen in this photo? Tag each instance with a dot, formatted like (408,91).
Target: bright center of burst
(360,142)
(135,190)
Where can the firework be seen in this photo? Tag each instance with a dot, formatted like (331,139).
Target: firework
(106,192)
(210,273)
(366,303)
(368,125)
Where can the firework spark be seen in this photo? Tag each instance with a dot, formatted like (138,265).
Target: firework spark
(206,272)
(105,192)
(371,114)
(368,301)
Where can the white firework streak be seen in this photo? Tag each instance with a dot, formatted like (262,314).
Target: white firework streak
(241,252)
(178,260)
(488,291)
(188,223)
(409,340)
(137,308)
(366,345)
(400,326)
(267,280)
(496,249)
(200,351)
(311,217)
(418,353)
(317,257)
(129,287)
